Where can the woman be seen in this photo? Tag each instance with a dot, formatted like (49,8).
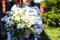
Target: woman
(33,10)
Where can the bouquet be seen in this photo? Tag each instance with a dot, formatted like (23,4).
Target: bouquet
(20,20)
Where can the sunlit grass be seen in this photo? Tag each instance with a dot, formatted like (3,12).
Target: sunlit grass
(53,33)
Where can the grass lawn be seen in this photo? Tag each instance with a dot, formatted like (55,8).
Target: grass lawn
(51,34)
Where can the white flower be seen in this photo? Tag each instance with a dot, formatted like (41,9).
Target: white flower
(9,24)
(15,14)
(20,26)
(4,18)
(33,30)
(21,19)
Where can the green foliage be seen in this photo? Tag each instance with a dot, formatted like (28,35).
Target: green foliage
(51,19)
(52,13)
(9,4)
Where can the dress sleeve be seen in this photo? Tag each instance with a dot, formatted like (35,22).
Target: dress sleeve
(13,8)
(39,23)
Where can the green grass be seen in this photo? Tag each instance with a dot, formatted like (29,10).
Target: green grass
(52,33)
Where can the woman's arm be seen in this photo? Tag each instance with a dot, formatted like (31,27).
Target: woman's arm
(39,23)
(41,8)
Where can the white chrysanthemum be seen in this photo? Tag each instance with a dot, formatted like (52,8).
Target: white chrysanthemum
(20,26)
(17,18)
(33,30)
(23,18)
(9,24)
(4,18)
(29,25)
(15,14)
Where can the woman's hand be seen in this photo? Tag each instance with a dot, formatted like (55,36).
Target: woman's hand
(25,35)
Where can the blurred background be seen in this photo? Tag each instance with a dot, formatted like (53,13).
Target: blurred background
(51,18)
